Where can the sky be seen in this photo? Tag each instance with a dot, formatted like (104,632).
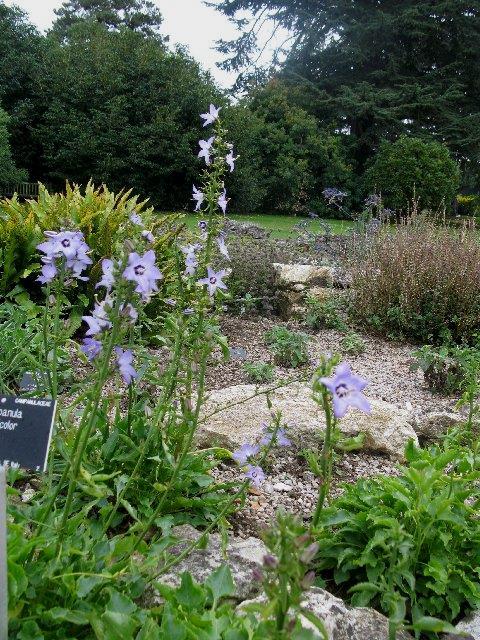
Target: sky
(187,22)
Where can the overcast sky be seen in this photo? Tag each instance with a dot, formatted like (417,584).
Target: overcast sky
(187,22)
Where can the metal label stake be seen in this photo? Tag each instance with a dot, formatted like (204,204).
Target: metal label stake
(3,555)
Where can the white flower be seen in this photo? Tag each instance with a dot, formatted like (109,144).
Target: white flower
(211,116)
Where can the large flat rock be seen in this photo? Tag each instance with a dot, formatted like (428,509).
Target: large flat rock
(234,415)
(306,274)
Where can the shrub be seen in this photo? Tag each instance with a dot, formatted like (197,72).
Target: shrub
(410,168)
(289,347)
(258,372)
(420,282)
(468,205)
(323,314)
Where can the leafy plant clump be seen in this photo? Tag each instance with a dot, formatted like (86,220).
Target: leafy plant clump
(290,348)
(323,314)
(447,368)
(259,372)
(352,344)
(409,545)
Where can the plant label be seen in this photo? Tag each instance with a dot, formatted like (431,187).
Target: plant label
(25,431)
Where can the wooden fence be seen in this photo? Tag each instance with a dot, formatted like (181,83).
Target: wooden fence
(24,190)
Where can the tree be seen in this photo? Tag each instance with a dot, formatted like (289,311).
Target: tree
(20,77)
(285,159)
(122,109)
(8,172)
(410,168)
(381,68)
(138,15)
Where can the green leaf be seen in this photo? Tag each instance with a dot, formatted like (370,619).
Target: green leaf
(190,594)
(86,583)
(435,625)
(67,615)
(221,583)
(172,628)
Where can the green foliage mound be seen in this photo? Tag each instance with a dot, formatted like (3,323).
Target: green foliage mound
(411,169)
(408,545)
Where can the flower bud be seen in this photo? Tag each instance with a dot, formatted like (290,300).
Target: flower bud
(310,552)
(148,411)
(270,562)
(129,246)
(308,580)
(302,540)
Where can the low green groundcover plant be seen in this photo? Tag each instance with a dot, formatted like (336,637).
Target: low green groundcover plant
(259,372)
(408,545)
(289,347)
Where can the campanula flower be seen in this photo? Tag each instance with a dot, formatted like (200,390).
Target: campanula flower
(143,271)
(346,390)
(148,236)
(99,318)
(255,475)
(211,115)
(280,438)
(124,363)
(223,201)
(91,348)
(214,280)
(108,279)
(222,247)
(69,245)
(245,452)
(198,196)
(205,149)
(230,160)
(49,271)
(136,219)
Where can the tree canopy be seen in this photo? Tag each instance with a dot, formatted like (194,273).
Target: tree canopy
(379,69)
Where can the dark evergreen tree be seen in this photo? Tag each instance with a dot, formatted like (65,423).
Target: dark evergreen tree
(138,15)
(381,68)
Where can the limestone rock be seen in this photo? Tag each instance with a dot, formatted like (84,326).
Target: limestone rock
(341,621)
(239,414)
(242,555)
(321,293)
(435,424)
(468,628)
(289,275)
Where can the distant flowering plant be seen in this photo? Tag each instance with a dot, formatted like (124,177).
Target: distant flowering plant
(334,196)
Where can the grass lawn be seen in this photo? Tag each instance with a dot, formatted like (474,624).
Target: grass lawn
(281,226)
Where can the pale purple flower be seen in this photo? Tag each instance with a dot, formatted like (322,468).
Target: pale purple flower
(223,201)
(188,311)
(205,148)
(203,226)
(346,390)
(124,363)
(99,318)
(255,475)
(49,271)
(211,115)
(69,245)
(222,247)
(230,160)
(148,236)
(280,438)
(143,271)
(108,278)
(198,196)
(136,219)
(214,280)
(191,262)
(171,302)
(245,452)
(91,348)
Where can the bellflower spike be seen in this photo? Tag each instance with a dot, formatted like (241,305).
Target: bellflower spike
(214,280)
(346,390)
(223,201)
(124,363)
(211,116)
(69,245)
(198,196)
(99,318)
(230,160)
(143,271)
(108,279)
(91,348)
(205,148)
(222,247)
(255,475)
(245,452)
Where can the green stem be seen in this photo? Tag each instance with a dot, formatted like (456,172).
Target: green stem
(326,460)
